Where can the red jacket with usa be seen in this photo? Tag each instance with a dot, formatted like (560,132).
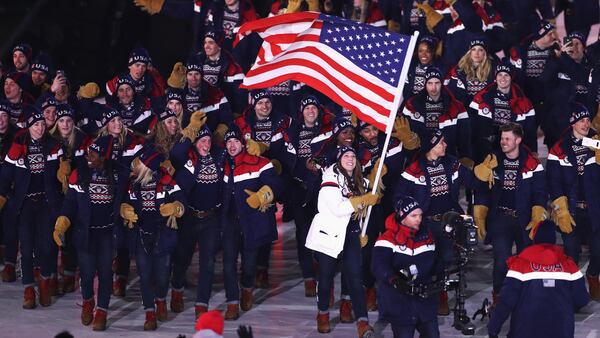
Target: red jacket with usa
(541,289)
(563,180)
(250,172)
(485,134)
(398,248)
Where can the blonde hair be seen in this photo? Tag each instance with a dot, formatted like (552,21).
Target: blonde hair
(481,72)
(163,141)
(104,131)
(143,175)
(71,138)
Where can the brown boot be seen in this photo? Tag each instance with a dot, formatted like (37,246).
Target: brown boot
(37,274)
(53,286)
(68,284)
(200,309)
(176,301)
(346,311)
(364,329)
(443,309)
(247,299)
(233,312)
(119,286)
(594,287)
(310,288)
(99,323)
(29,298)
(323,323)
(371,299)
(87,311)
(161,310)
(150,323)
(262,279)
(44,290)
(8,274)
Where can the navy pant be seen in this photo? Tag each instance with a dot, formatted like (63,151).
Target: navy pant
(35,236)
(425,329)
(207,233)
(154,276)
(504,230)
(303,216)
(232,246)
(572,242)
(10,239)
(69,254)
(97,259)
(352,271)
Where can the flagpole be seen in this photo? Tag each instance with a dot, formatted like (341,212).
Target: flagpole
(390,123)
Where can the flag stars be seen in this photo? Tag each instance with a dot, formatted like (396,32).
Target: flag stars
(382,53)
(370,46)
(377,44)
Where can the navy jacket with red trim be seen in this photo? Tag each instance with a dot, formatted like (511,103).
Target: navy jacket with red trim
(143,118)
(229,80)
(210,100)
(563,179)
(454,122)
(202,196)
(151,230)
(541,290)
(485,134)
(77,208)
(15,174)
(530,186)
(398,248)
(415,182)
(250,172)
(281,147)
(150,85)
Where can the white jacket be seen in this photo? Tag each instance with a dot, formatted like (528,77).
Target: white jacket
(327,232)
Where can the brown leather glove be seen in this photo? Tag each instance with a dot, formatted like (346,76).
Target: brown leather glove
(432,18)
(255,148)
(219,133)
(277,166)
(177,78)
(362,201)
(373,173)
(596,120)
(197,121)
(62,174)
(561,216)
(479,216)
(2,202)
(313,5)
(410,140)
(538,215)
(261,199)
(596,151)
(88,91)
(485,170)
(128,214)
(150,6)
(60,227)
(172,210)
(293,6)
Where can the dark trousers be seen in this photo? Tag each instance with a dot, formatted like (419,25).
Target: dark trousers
(504,230)
(97,259)
(207,233)
(572,242)
(123,262)
(376,222)
(264,256)
(352,271)
(303,216)
(10,240)
(69,254)
(35,237)
(232,247)
(425,329)
(154,276)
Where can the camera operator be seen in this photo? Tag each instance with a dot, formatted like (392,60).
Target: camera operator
(405,254)
(541,291)
(516,201)
(434,180)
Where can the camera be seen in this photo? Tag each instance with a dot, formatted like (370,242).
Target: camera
(566,40)
(461,229)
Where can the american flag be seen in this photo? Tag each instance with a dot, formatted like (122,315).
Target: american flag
(356,65)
